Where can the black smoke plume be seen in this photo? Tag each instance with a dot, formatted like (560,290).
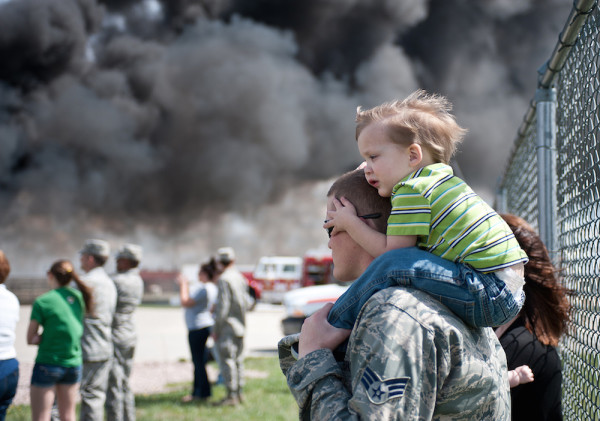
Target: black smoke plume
(143,120)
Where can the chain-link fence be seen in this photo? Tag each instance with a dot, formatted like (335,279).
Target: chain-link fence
(572,76)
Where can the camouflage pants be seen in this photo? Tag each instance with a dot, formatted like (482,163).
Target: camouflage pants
(94,380)
(120,402)
(231,363)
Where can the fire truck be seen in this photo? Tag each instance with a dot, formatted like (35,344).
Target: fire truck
(280,274)
(317,268)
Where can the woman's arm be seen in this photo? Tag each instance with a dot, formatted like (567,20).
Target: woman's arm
(184,292)
(33,338)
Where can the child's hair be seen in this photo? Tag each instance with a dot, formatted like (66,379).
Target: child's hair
(421,118)
(354,186)
(63,272)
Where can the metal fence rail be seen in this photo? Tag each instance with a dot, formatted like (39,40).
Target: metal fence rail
(573,71)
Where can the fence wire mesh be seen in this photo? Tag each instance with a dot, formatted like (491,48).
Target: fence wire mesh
(578,211)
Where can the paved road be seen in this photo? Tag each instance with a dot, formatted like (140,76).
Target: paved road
(162,352)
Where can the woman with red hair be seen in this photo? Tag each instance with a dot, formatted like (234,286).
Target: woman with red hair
(531,338)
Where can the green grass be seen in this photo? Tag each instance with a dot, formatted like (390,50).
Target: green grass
(266,395)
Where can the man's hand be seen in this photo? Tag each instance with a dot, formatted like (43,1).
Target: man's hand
(317,333)
(342,217)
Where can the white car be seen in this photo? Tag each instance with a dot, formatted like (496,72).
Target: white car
(302,302)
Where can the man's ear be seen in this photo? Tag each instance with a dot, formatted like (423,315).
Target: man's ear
(415,153)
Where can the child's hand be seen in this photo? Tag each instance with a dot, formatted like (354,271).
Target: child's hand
(520,375)
(341,217)
(525,374)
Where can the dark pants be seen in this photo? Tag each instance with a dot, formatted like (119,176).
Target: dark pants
(197,340)
(8,385)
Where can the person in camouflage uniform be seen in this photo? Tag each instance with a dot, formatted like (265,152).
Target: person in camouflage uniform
(120,402)
(96,342)
(230,325)
(407,358)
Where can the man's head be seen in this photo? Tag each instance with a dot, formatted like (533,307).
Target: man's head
(94,253)
(4,267)
(128,257)
(397,138)
(349,259)
(225,256)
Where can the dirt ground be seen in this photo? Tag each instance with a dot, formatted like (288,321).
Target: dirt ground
(162,354)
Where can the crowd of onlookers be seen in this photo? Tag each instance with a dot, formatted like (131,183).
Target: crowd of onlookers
(85,333)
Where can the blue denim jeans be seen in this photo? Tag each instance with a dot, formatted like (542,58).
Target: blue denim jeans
(47,375)
(9,377)
(197,340)
(479,299)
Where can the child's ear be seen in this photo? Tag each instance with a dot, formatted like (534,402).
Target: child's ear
(415,153)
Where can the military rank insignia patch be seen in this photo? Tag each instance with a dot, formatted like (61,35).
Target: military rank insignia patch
(380,391)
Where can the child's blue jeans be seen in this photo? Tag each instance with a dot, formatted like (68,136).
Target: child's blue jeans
(479,299)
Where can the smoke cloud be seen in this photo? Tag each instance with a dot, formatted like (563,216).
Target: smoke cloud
(185,125)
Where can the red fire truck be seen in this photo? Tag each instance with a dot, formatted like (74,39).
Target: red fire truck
(317,268)
(280,274)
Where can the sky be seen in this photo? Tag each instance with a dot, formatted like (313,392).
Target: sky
(187,125)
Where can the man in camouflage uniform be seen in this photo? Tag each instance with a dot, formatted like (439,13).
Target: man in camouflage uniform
(230,325)
(96,342)
(408,357)
(120,402)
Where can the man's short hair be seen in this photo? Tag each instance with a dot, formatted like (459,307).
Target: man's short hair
(4,267)
(354,186)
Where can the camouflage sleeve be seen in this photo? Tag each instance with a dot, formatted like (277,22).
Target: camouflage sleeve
(222,305)
(286,359)
(316,383)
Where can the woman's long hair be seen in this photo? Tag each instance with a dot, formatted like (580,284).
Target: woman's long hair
(546,308)
(210,268)
(63,272)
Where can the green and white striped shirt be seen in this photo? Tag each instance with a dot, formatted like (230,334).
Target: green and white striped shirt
(451,221)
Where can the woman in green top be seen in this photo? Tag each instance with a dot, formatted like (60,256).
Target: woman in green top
(57,369)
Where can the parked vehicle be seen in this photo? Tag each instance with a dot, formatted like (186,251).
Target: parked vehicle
(302,302)
(317,268)
(277,275)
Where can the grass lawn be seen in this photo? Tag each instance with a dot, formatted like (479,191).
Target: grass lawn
(266,395)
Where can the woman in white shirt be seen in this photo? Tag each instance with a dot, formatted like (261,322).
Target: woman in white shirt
(9,316)
(198,301)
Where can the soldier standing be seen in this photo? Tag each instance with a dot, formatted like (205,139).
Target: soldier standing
(230,325)
(96,342)
(120,402)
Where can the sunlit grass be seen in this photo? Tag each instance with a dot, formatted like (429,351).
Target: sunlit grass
(266,398)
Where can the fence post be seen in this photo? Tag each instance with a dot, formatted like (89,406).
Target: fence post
(546,158)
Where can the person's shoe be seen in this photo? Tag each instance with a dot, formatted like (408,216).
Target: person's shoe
(240,398)
(192,398)
(228,401)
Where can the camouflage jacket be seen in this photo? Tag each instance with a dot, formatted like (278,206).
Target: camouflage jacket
(130,289)
(232,301)
(96,342)
(408,358)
